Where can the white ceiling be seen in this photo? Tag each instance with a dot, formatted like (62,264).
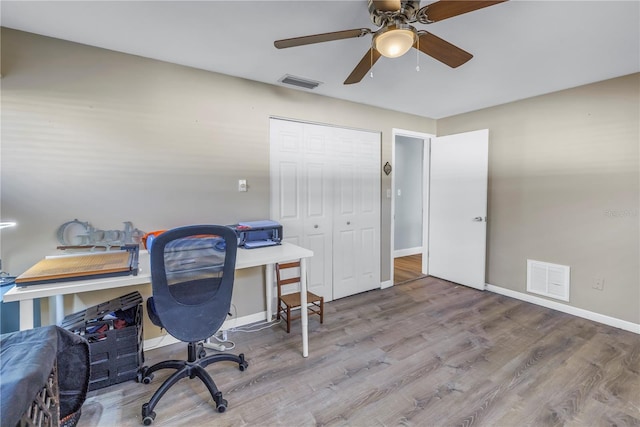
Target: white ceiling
(521,48)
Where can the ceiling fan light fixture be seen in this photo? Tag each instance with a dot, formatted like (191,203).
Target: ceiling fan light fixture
(395,40)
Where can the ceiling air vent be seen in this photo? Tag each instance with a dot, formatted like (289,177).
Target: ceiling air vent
(299,81)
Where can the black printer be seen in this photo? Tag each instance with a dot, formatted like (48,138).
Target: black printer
(258,234)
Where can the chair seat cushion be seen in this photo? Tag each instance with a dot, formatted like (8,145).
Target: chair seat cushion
(293,300)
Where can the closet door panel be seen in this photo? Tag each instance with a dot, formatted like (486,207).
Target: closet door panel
(358,210)
(286,147)
(317,209)
(346,247)
(317,277)
(368,256)
(370,170)
(289,192)
(345,280)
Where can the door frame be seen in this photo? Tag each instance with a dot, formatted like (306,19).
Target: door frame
(426,141)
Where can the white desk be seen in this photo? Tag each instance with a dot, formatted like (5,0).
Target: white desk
(246,258)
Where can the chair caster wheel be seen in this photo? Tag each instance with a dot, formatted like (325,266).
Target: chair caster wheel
(242,365)
(142,376)
(148,420)
(147,416)
(147,379)
(221,406)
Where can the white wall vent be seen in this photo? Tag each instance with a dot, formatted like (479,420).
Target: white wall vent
(550,280)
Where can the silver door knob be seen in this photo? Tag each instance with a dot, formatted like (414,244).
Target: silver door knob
(315,226)
(478,219)
(348,222)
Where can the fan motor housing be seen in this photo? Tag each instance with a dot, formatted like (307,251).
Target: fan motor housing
(406,13)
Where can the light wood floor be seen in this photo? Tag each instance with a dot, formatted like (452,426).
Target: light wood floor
(407,268)
(425,353)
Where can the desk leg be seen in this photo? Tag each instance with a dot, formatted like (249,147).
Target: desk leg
(59,310)
(304,314)
(26,314)
(269,273)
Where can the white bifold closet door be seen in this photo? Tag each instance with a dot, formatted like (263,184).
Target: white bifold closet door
(325,191)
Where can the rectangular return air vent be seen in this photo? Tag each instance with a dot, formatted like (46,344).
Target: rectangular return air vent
(550,280)
(299,81)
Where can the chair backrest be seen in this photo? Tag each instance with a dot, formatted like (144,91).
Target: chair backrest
(287,273)
(192,273)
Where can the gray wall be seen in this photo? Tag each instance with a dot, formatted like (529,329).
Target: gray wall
(107,137)
(408,205)
(564,188)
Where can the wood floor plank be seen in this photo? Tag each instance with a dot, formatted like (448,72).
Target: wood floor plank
(424,353)
(407,268)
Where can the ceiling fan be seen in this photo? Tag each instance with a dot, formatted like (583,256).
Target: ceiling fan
(395,36)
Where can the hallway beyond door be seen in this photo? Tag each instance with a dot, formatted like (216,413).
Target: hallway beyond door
(407,268)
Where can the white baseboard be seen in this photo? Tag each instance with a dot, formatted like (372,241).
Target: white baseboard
(580,312)
(387,284)
(406,252)
(167,339)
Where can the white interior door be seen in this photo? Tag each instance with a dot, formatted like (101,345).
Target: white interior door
(458,208)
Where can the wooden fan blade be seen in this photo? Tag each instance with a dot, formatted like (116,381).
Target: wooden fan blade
(444,9)
(387,5)
(363,66)
(320,38)
(441,50)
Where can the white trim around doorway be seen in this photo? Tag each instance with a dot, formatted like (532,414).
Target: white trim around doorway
(426,137)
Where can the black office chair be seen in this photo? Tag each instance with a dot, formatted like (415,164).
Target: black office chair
(192,271)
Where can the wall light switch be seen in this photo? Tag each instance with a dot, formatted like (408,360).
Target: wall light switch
(242,185)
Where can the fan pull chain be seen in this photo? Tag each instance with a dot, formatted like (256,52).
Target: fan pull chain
(418,56)
(371,62)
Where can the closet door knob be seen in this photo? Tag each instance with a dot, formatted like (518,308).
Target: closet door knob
(348,222)
(315,226)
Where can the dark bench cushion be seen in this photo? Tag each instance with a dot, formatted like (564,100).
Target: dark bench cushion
(27,359)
